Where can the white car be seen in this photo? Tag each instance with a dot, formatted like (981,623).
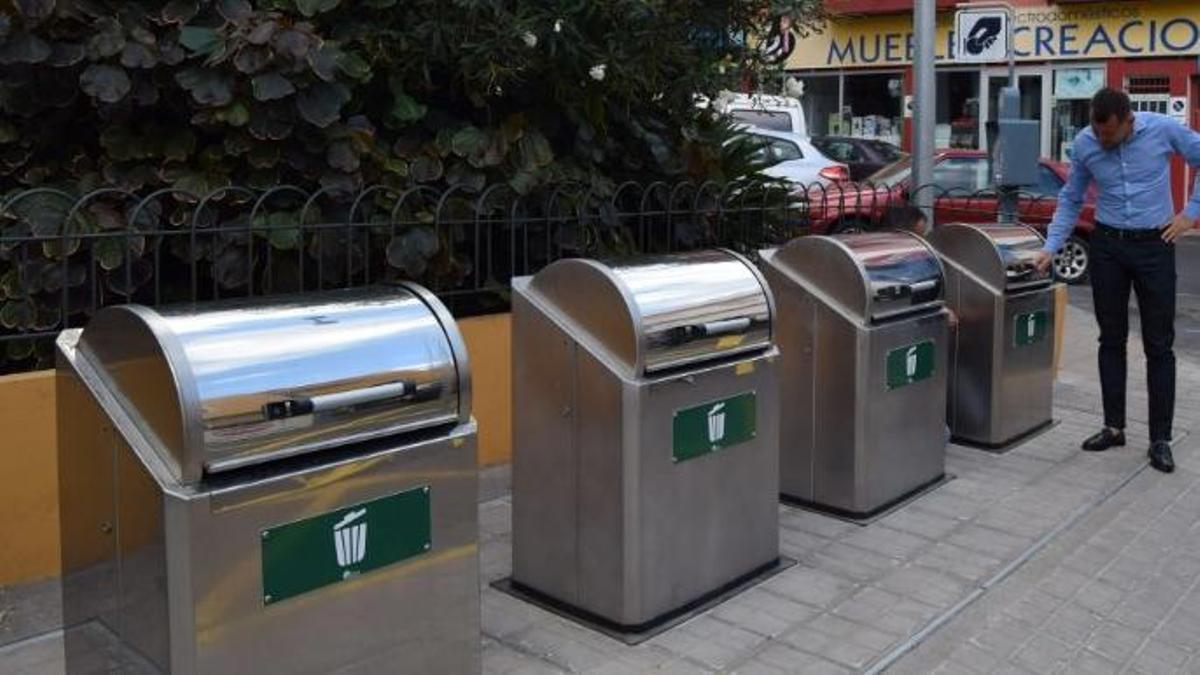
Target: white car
(793,157)
(776,113)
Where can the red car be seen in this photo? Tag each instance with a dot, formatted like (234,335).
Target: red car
(963,193)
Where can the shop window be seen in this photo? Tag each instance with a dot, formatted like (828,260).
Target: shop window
(957,110)
(872,107)
(1073,91)
(1148,85)
(820,102)
(1149,94)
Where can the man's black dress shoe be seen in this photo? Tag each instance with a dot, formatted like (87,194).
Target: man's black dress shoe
(1160,456)
(1104,440)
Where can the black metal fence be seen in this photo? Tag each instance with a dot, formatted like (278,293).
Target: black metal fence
(65,255)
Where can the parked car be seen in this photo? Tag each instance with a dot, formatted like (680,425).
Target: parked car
(775,113)
(864,156)
(962,192)
(794,158)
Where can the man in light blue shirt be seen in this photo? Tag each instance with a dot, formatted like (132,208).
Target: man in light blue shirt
(1128,156)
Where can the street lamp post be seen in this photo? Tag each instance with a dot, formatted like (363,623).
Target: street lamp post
(924,103)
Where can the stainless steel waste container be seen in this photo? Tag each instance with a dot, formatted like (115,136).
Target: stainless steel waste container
(1002,360)
(862,330)
(282,485)
(645,464)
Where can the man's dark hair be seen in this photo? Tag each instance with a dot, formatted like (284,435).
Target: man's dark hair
(901,218)
(1108,102)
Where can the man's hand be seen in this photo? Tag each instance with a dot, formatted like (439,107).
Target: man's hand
(1042,261)
(1178,227)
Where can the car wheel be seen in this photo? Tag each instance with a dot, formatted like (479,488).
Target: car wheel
(1072,262)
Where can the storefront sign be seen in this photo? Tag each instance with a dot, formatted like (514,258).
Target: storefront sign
(982,35)
(1055,32)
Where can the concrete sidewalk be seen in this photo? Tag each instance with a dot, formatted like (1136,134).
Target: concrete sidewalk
(1039,559)
(861,596)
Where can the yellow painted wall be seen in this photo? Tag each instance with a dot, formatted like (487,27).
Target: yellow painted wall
(28,478)
(1060,318)
(29,532)
(489,340)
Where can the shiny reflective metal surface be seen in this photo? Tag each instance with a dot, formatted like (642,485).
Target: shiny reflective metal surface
(1001,256)
(849,442)
(874,276)
(662,312)
(604,519)
(245,382)
(1001,388)
(163,573)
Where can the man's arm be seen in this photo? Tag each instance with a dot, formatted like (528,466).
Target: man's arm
(1070,203)
(1187,143)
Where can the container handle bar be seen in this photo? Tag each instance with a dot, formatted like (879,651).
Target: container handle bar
(903,290)
(308,405)
(684,334)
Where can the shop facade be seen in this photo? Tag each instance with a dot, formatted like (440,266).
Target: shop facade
(858,77)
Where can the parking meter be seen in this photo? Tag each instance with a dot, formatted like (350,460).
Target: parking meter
(1014,152)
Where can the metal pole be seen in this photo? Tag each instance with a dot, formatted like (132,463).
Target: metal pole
(924,104)
(1009,196)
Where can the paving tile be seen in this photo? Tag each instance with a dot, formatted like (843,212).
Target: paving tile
(810,586)
(1087,662)
(1043,654)
(925,585)
(886,541)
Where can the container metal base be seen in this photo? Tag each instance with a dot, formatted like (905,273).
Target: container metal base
(638,633)
(865,518)
(1005,446)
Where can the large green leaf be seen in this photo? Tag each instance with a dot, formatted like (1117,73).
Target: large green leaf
(235,10)
(410,252)
(18,314)
(105,83)
(341,156)
(208,86)
(353,65)
(321,103)
(109,252)
(138,56)
(199,39)
(24,48)
(35,10)
(262,33)
(426,169)
(535,150)
(405,108)
(179,11)
(280,230)
(250,60)
(314,7)
(272,86)
(469,141)
(107,40)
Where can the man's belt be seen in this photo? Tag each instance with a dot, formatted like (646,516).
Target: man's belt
(1128,234)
